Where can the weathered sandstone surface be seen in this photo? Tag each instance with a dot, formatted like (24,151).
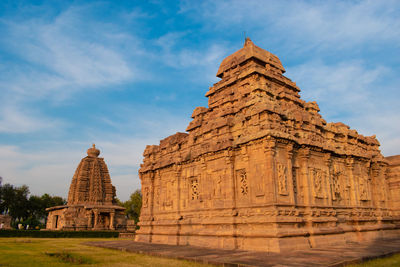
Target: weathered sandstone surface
(260,169)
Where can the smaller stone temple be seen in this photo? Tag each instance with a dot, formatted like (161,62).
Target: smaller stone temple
(91,199)
(5,222)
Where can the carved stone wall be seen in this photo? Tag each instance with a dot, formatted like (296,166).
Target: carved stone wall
(91,199)
(392,187)
(260,169)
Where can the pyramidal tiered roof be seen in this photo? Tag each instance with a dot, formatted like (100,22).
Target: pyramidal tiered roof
(91,183)
(252,82)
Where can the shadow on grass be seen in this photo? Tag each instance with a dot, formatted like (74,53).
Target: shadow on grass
(69,257)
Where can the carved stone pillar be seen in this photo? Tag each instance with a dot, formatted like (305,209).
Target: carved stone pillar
(304,157)
(177,174)
(270,150)
(379,186)
(151,208)
(204,179)
(90,219)
(290,181)
(329,184)
(96,218)
(353,182)
(178,170)
(112,216)
(229,161)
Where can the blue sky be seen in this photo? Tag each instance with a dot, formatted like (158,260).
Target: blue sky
(124,74)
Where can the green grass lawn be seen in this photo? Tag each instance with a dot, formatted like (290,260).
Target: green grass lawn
(71,252)
(392,261)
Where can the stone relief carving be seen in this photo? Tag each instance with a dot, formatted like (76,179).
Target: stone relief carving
(168,196)
(218,187)
(260,183)
(364,187)
(282,179)
(242,182)
(145,196)
(318,178)
(194,189)
(336,188)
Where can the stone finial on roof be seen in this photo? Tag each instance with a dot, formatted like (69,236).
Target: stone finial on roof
(93,151)
(248,42)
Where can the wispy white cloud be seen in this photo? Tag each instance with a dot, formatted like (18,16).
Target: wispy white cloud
(356,94)
(204,59)
(17,119)
(55,59)
(342,86)
(44,171)
(149,122)
(61,58)
(303,25)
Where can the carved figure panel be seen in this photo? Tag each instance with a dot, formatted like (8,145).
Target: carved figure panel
(335,186)
(282,179)
(318,177)
(168,200)
(217,186)
(260,182)
(364,187)
(145,197)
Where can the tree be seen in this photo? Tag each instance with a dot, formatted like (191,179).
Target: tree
(18,208)
(1,195)
(16,202)
(7,198)
(133,206)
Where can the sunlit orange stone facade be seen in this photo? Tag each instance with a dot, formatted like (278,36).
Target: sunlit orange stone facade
(260,169)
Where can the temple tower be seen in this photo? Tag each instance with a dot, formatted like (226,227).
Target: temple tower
(260,169)
(91,199)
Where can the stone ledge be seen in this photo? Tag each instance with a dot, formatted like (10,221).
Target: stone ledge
(332,256)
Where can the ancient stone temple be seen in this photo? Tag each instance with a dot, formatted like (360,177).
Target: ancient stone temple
(91,199)
(260,169)
(5,222)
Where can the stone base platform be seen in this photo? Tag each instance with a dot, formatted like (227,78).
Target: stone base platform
(331,256)
(126,235)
